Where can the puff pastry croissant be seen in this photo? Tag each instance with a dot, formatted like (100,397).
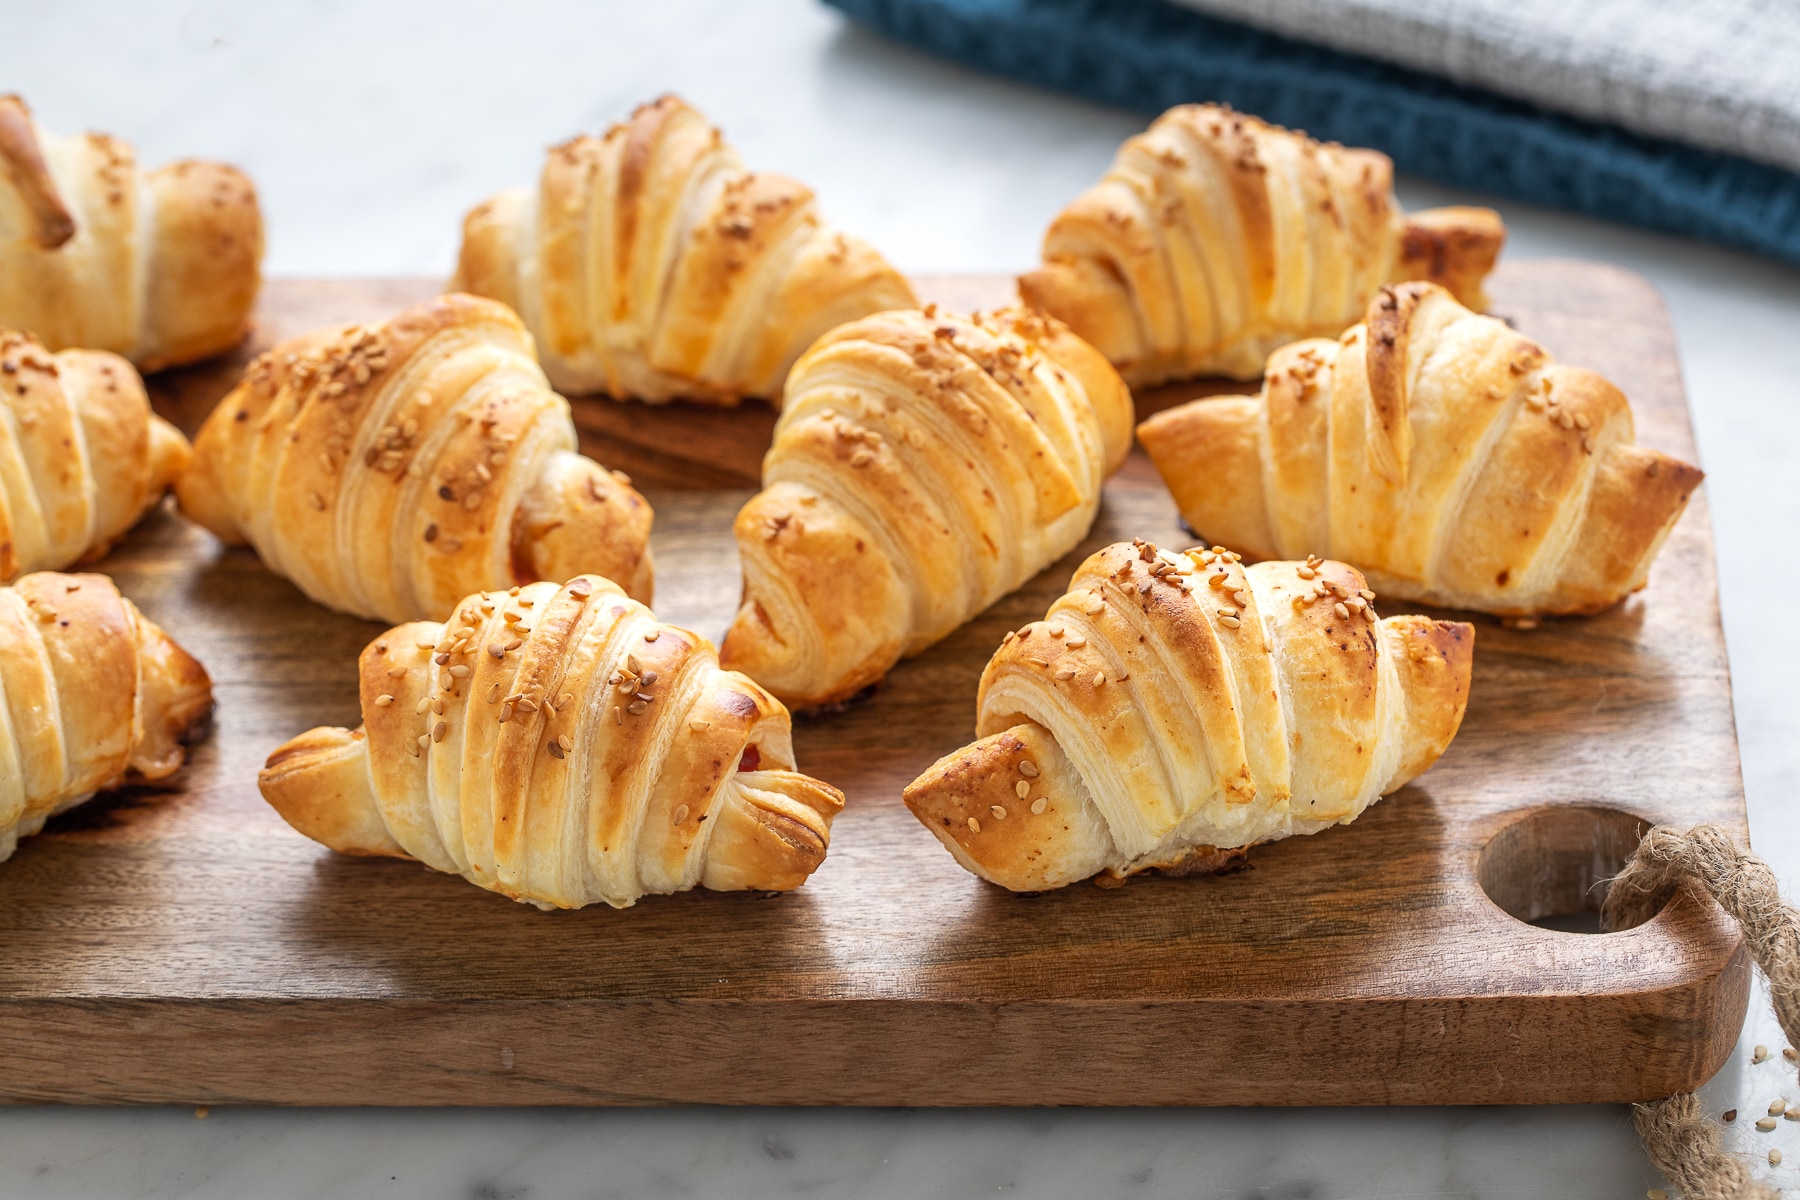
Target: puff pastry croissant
(1216,238)
(390,471)
(651,264)
(1440,451)
(82,457)
(924,466)
(161,267)
(1174,709)
(91,694)
(561,746)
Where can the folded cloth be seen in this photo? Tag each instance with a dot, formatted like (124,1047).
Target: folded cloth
(1724,75)
(1148,55)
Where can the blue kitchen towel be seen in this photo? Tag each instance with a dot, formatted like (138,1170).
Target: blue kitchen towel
(1149,55)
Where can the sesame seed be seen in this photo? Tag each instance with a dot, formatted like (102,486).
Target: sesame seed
(1056,631)
(974,825)
(1761,1054)
(506,711)
(1099,678)
(316,500)
(1765,1124)
(493,694)
(862,458)
(383,700)
(1022,789)
(1342,612)
(1790,1054)
(412,748)
(998,810)
(438,731)
(1042,662)
(1774,1158)
(1039,805)
(1076,643)
(1304,572)
(527,704)
(424,740)
(1656,1194)
(437,706)
(635,708)
(1729,1116)
(681,813)
(496,649)
(1230,622)
(555,750)
(618,718)
(565,741)
(422,707)
(1065,673)
(699,726)
(1028,769)
(441,657)
(1777,1107)
(564,700)
(446,681)
(650,635)
(649,678)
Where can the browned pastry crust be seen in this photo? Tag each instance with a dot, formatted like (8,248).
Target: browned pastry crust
(1216,238)
(391,470)
(91,694)
(1440,451)
(162,267)
(82,457)
(650,264)
(925,465)
(1173,709)
(561,746)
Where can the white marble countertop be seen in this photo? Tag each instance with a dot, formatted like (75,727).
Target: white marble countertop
(371,128)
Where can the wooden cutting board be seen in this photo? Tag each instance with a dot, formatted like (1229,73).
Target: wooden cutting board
(181,943)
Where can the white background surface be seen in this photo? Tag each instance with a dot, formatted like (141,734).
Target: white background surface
(370,129)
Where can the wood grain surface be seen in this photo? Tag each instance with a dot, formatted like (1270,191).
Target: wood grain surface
(180,943)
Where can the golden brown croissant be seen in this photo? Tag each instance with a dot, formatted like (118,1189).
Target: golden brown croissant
(390,471)
(1174,709)
(1216,238)
(1440,451)
(91,694)
(82,457)
(561,746)
(924,466)
(651,264)
(160,267)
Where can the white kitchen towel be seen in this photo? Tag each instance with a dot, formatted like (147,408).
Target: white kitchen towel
(1720,74)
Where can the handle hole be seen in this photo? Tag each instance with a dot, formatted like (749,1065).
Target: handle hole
(1550,866)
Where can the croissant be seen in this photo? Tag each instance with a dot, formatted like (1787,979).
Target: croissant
(91,694)
(560,746)
(390,471)
(1172,710)
(651,264)
(1216,238)
(1443,453)
(162,267)
(82,457)
(924,466)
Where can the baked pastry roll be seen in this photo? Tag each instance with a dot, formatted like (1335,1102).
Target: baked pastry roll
(389,471)
(161,266)
(561,746)
(92,695)
(924,466)
(1216,238)
(82,457)
(1443,453)
(650,264)
(1173,709)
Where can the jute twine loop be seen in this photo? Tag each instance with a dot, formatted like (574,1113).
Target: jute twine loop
(1680,1138)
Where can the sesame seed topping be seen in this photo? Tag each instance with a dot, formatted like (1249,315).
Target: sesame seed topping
(437,706)
(439,730)
(1342,612)
(1076,642)
(635,708)
(1039,805)
(1056,631)
(1022,789)
(493,695)
(974,825)
(650,635)
(998,810)
(506,711)
(680,814)
(527,704)
(1230,622)
(459,671)
(565,741)
(1042,662)
(699,726)
(424,740)
(1099,678)
(1027,768)
(564,700)
(1765,1124)
(1065,672)
(618,717)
